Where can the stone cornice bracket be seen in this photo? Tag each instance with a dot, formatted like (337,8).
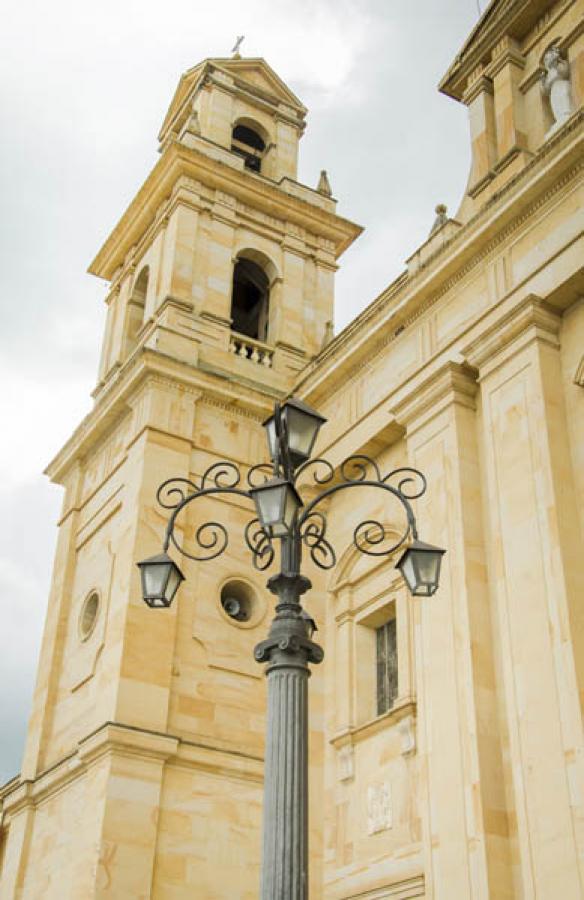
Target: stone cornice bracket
(531,319)
(481,85)
(455,381)
(506,52)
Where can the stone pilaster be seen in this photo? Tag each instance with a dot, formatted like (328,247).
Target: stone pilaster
(479,99)
(536,586)
(506,72)
(464,813)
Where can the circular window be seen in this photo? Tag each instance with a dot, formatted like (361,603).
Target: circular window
(88,616)
(238,601)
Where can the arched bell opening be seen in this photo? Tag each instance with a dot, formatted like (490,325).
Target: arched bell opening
(247,142)
(250,300)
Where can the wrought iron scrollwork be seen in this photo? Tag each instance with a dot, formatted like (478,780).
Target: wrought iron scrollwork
(313,534)
(323,473)
(371,536)
(259,474)
(411,483)
(260,544)
(175,488)
(211,538)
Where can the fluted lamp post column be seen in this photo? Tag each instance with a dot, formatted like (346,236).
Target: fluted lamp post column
(289,649)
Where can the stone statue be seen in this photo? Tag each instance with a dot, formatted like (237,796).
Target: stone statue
(555,84)
(324,185)
(441,218)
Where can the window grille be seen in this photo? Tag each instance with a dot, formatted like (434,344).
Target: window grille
(386,637)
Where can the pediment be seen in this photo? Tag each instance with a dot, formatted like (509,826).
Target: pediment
(512,18)
(258,72)
(252,74)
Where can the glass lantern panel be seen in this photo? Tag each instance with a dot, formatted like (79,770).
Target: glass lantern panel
(302,429)
(271,435)
(408,571)
(173,583)
(428,565)
(271,502)
(155,576)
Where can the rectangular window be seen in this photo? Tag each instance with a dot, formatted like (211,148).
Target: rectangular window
(386,638)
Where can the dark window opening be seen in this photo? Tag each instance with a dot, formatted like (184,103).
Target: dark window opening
(386,637)
(247,143)
(249,300)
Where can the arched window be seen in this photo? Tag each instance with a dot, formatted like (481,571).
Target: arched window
(135,311)
(246,142)
(250,300)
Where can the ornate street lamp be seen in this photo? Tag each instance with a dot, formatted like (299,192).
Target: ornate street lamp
(420,567)
(161,578)
(288,649)
(298,424)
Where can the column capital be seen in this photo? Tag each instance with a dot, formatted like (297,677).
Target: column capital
(481,85)
(530,319)
(453,382)
(507,52)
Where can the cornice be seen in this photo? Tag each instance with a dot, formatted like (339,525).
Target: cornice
(253,191)
(513,18)
(152,366)
(410,296)
(203,74)
(117,739)
(453,382)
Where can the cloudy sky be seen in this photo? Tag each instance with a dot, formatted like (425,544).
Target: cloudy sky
(83,89)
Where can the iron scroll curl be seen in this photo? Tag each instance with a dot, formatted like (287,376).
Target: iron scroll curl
(212,538)
(371,536)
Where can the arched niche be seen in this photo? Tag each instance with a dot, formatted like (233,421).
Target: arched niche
(253,276)
(249,140)
(135,310)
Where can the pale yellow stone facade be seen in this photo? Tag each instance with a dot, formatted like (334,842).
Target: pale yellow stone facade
(142,774)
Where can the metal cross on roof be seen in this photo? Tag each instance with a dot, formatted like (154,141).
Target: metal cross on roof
(238,43)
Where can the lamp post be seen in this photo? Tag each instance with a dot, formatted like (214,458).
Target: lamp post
(288,649)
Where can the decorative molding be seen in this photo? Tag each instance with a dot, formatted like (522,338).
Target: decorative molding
(405,707)
(237,411)
(177,160)
(388,298)
(113,738)
(346,762)
(453,382)
(407,732)
(379,808)
(531,313)
(406,889)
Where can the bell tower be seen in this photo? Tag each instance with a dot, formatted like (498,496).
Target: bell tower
(143,765)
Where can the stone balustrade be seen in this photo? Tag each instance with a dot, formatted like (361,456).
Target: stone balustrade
(254,351)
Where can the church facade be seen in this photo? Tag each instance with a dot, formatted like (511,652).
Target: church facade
(446,747)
